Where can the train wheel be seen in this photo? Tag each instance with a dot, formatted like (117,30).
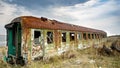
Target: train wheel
(20,61)
(10,60)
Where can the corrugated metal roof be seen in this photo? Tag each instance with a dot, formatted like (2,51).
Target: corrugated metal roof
(44,23)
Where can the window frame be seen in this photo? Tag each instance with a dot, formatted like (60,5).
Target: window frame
(85,36)
(89,36)
(48,37)
(72,38)
(38,38)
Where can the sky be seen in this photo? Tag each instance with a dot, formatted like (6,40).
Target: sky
(98,14)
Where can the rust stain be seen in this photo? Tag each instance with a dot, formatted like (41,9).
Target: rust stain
(26,40)
(44,23)
(56,37)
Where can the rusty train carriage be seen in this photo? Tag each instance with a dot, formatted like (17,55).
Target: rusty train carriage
(29,38)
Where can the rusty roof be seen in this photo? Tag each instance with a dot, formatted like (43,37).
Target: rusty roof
(44,23)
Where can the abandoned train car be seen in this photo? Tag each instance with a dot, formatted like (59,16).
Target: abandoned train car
(30,37)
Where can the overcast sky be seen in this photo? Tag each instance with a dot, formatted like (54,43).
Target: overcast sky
(97,14)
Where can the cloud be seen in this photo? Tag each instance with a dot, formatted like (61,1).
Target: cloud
(98,14)
(44,3)
(9,12)
(94,14)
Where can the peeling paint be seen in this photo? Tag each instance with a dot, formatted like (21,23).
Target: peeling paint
(42,37)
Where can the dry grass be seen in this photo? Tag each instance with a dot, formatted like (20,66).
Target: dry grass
(87,58)
(81,60)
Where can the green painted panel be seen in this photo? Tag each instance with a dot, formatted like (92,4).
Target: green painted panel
(14,40)
(19,39)
(11,47)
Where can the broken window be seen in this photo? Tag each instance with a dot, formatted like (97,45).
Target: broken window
(49,37)
(84,36)
(79,36)
(92,36)
(37,35)
(64,37)
(72,36)
(89,36)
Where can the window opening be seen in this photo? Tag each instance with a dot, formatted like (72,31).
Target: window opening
(64,37)
(79,36)
(92,36)
(49,37)
(37,35)
(84,36)
(89,36)
(95,36)
(72,36)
